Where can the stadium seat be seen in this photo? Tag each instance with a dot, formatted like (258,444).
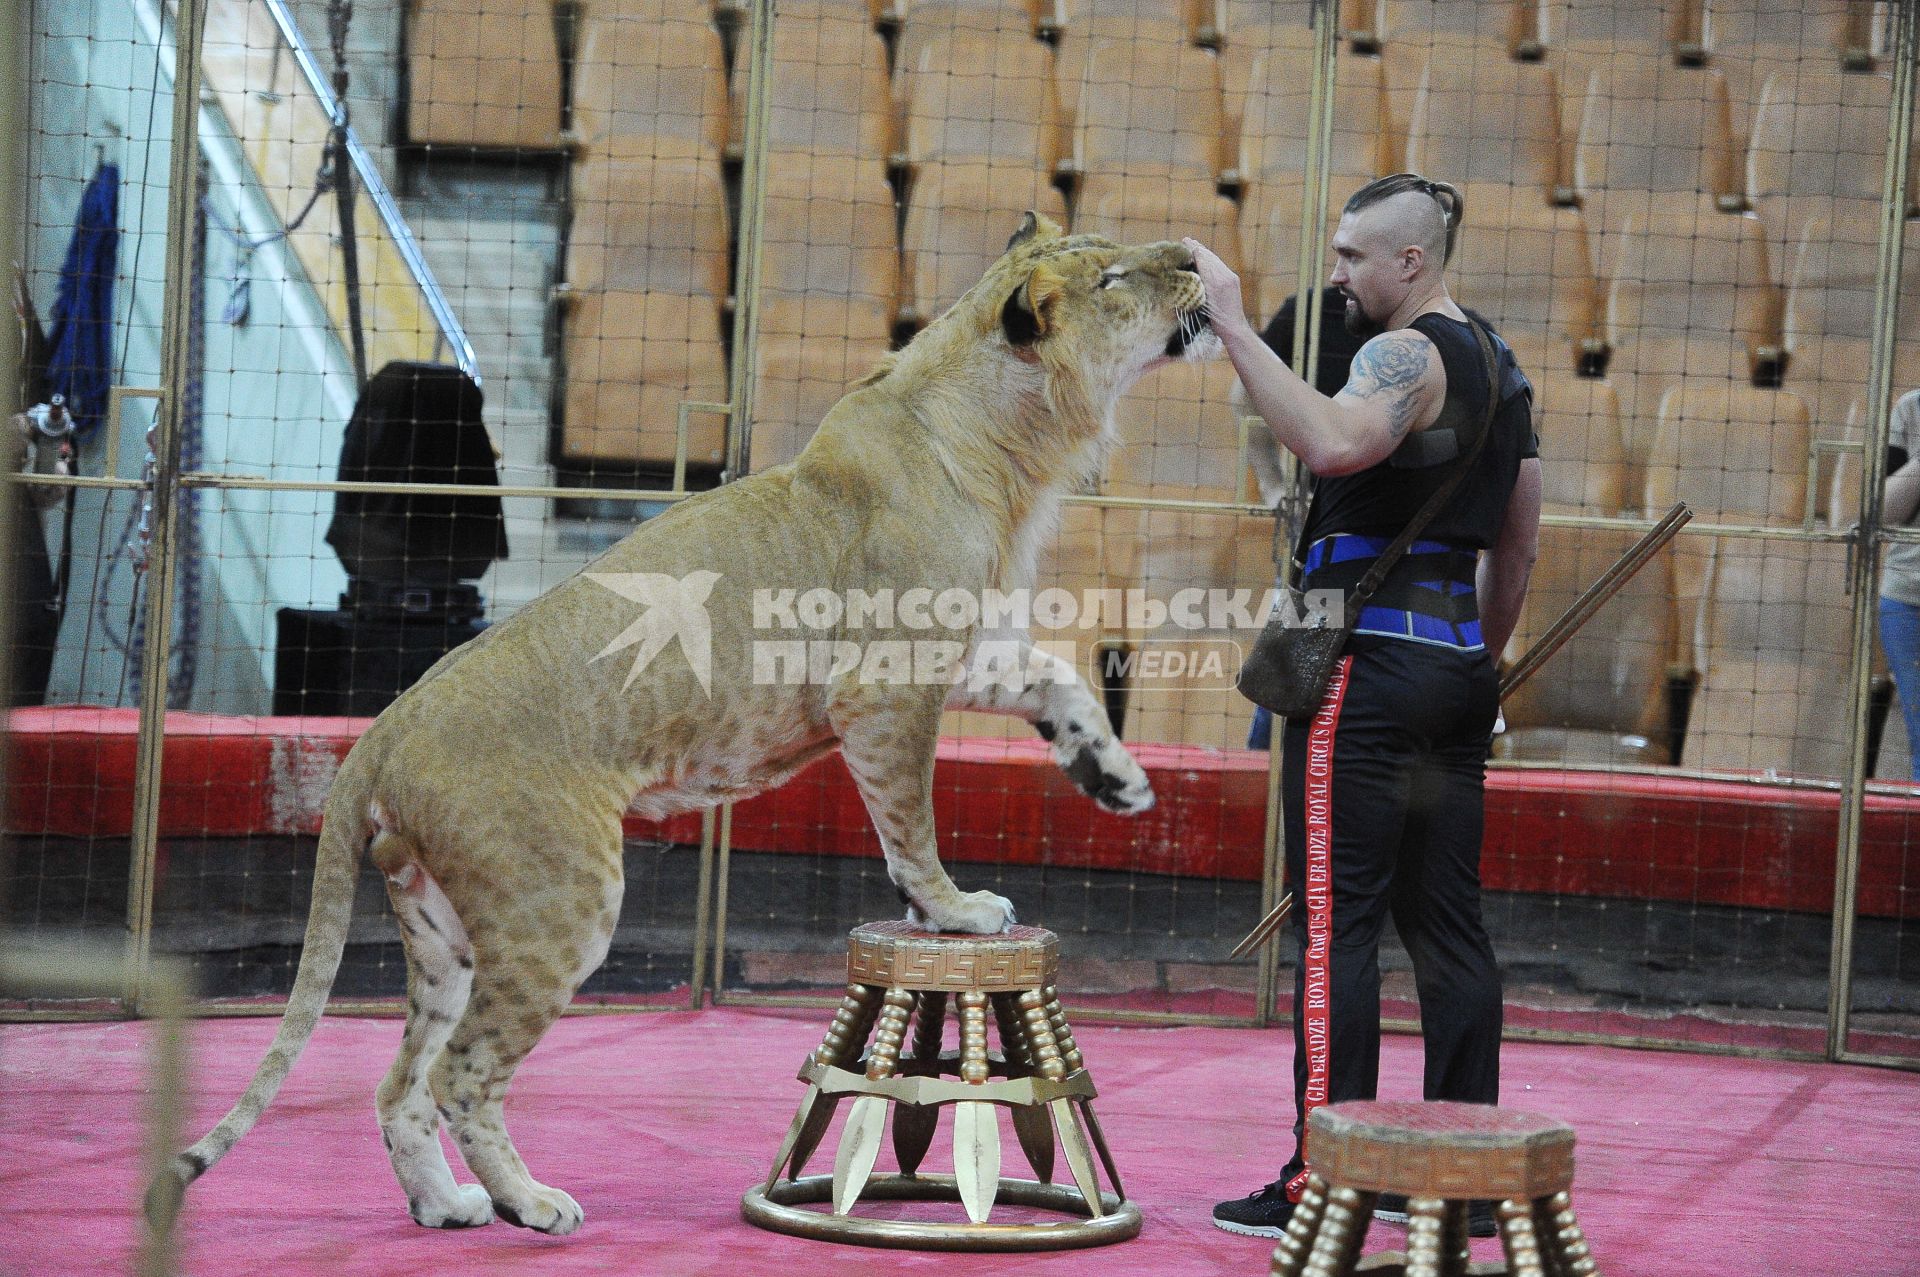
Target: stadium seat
(631,358)
(959,218)
(828,232)
(1179,437)
(738,12)
(1244,19)
(1151,50)
(1512,25)
(1273,158)
(1272,106)
(985,96)
(1734,453)
(930,20)
(1749,42)
(1199,20)
(828,89)
(1602,699)
(1583,460)
(830,288)
(649,76)
(1477,117)
(1691,296)
(1819,146)
(1650,135)
(1831,286)
(642,223)
(1580,31)
(1631,39)
(1773,669)
(1146,207)
(1117,94)
(483,76)
(1840,32)
(1526,266)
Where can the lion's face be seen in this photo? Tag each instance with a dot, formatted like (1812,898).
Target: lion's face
(1109,310)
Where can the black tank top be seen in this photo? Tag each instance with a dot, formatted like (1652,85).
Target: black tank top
(1382,499)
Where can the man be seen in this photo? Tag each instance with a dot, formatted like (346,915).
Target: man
(1383,789)
(1900,568)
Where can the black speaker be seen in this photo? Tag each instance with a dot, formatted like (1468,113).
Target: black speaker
(416,423)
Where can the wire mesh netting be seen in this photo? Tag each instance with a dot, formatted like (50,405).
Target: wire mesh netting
(568,251)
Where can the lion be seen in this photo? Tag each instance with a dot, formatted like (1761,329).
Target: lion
(490,794)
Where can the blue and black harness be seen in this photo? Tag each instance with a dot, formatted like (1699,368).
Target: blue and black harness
(1427,598)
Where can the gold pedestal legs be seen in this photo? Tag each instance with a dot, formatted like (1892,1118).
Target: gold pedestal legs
(902,980)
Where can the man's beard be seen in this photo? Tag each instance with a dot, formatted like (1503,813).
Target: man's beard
(1357,323)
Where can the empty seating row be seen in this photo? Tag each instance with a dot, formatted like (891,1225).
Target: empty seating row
(988,95)
(1689,296)
(1760,629)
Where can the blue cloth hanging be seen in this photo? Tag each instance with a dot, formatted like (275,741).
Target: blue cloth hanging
(80,355)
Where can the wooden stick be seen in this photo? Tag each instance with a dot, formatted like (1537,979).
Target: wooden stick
(1264,932)
(1622,571)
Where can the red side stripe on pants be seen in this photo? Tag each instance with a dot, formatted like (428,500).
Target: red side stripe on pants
(1318,890)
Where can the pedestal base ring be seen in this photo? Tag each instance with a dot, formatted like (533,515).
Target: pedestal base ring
(780,1211)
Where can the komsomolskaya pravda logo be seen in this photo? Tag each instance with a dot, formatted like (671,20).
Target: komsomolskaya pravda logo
(675,610)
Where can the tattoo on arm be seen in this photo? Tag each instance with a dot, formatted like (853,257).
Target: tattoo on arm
(1390,368)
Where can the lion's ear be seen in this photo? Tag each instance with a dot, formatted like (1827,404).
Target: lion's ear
(1034,225)
(1027,315)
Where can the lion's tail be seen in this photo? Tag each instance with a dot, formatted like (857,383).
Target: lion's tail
(336,866)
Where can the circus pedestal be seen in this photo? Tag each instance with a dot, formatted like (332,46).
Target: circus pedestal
(885,1052)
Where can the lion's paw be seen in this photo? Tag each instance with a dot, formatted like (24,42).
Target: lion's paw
(471,1208)
(1108,774)
(979,913)
(548,1211)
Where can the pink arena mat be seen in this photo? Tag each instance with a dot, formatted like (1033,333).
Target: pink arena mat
(1689,1165)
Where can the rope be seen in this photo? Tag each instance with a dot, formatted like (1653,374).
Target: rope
(339,19)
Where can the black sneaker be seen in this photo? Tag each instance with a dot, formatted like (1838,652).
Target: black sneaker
(1259,1214)
(1391,1208)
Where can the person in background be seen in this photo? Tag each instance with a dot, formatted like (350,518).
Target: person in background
(1900,569)
(1383,790)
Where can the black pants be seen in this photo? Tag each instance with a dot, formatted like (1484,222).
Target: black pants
(1383,796)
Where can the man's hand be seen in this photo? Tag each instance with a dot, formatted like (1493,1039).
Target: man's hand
(1225,308)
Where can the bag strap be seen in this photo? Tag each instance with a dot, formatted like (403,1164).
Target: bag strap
(1435,503)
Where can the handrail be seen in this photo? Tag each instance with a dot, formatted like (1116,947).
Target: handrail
(376,191)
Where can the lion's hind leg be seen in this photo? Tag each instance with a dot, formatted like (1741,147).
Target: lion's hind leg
(439,980)
(542,932)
